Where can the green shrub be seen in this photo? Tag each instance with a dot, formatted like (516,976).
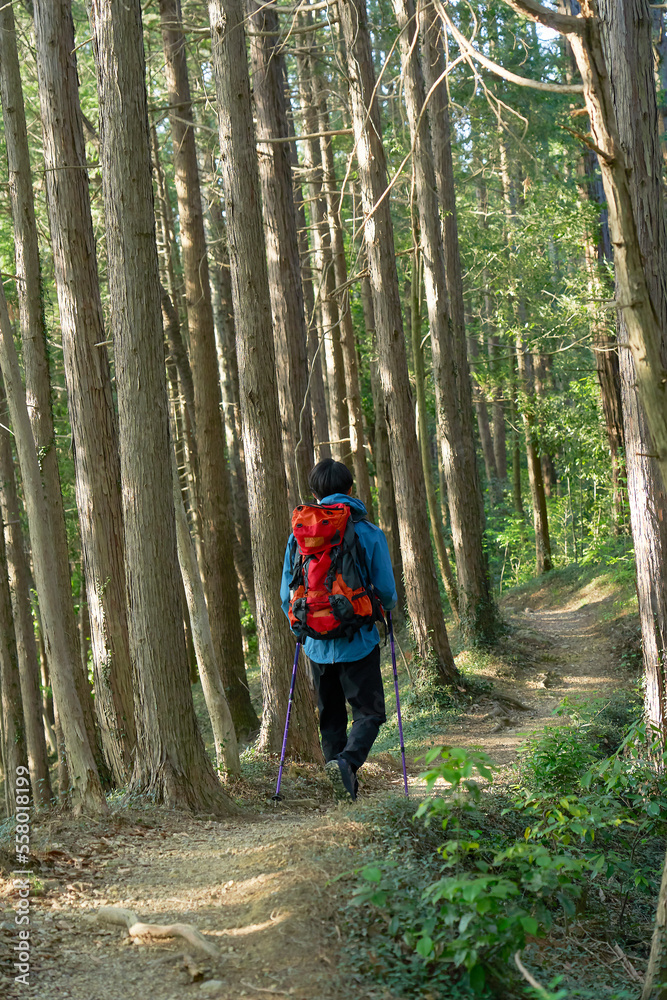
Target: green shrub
(451,912)
(554,759)
(490,894)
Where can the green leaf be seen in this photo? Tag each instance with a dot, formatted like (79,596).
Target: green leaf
(477,978)
(530,925)
(372,874)
(424,946)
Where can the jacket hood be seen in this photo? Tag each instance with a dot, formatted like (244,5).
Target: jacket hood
(353,502)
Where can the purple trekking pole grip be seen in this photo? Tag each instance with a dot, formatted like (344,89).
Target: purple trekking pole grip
(398,704)
(277,796)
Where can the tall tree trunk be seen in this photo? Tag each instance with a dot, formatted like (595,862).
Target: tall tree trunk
(15,754)
(84,781)
(33,336)
(90,400)
(225,342)
(218,562)
(422,431)
(483,425)
(316,403)
(347,338)
(259,398)
(282,247)
(64,790)
(517,498)
(330,352)
(48,709)
(626,37)
(493,348)
(170,298)
(598,255)
(540,521)
(84,622)
(423,598)
(438,116)
(479,617)
(387,516)
(171,765)
(23,625)
(224,737)
(542,382)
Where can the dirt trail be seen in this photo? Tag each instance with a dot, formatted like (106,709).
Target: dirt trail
(564,652)
(257,886)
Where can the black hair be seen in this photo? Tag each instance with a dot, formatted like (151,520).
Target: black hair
(329,477)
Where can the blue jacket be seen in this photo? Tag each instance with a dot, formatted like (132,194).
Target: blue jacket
(382,577)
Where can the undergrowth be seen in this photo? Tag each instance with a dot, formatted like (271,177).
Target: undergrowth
(571,850)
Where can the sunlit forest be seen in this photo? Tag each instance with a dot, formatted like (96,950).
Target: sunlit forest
(266,265)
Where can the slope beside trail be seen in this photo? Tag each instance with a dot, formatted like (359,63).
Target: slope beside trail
(258,886)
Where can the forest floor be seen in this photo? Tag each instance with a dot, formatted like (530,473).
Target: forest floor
(258,885)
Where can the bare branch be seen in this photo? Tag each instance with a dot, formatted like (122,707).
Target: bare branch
(564,23)
(521,81)
(303,138)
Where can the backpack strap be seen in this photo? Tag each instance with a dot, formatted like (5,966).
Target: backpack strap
(378,616)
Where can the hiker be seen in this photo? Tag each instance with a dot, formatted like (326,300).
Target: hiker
(346,668)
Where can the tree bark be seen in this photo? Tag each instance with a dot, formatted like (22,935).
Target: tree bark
(23,626)
(170,298)
(90,400)
(542,381)
(347,338)
(316,403)
(225,342)
(13,725)
(282,247)
(330,353)
(517,498)
(423,599)
(177,352)
(84,781)
(540,521)
(171,765)
(493,348)
(598,254)
(267,495)
(422,431)
(224,737)
(484,425)
(218,563)
(387,516)
(33,337)
(479,616)
(625,33)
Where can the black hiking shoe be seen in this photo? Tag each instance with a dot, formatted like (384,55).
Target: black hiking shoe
(342,778)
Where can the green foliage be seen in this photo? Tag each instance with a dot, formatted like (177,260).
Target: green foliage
(249,627)
(552,760)
(451,893)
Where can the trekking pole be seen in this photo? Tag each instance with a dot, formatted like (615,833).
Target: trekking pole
(398,704)
(277,797)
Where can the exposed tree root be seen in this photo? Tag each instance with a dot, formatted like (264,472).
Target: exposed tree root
(137,930)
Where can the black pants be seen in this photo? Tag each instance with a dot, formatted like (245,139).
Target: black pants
(360,683)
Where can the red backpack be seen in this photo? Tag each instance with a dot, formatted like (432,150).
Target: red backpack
(331,595)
